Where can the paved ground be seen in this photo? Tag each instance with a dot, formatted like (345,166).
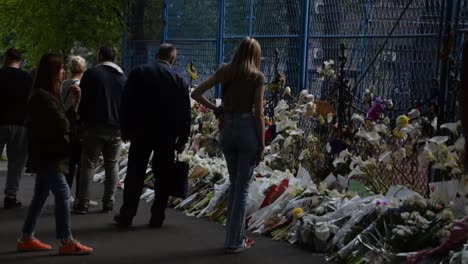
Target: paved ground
(182,240)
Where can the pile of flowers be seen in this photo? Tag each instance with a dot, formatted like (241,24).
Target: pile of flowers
(360,195)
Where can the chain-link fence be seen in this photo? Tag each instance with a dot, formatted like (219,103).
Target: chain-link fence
(416,65)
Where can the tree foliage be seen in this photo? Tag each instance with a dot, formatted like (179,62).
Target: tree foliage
(59,26)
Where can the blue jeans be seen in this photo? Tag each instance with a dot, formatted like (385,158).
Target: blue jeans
(56,182)
(240,145)
(16,141)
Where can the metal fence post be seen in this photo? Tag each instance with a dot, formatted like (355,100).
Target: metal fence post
(220,40)
(165,21)
(444,69)
(304,46)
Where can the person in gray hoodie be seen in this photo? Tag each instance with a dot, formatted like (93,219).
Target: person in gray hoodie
(101,91)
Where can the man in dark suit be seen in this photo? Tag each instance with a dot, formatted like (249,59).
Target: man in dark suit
(155,117)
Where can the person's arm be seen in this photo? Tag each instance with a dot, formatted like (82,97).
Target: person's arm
(259,120)
(198,93)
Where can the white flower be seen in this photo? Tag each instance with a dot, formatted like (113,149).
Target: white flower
(439,139)
(414,113)
(328,147)
(303,154)
(358,117)
(404,215)
(342,158)
(386,120)
(456,171)
(369,162)
(430,214)
(322,232)
(287,91)
(446,215)
(389,103)
(355,171)
(288,142)
(296,132)
(453,127)
(400,154)
(361,133)
(460,144)
(373,137)
(380,128)
(385,157)
(329,118)
(355,162)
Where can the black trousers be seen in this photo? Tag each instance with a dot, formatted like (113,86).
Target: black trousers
(139,155)
(74,165)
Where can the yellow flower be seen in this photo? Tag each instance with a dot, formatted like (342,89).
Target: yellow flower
(192,71)
(321,120)
(402,121)
(298,212)
(397,133)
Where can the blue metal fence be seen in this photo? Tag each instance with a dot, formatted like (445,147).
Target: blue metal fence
(410,70)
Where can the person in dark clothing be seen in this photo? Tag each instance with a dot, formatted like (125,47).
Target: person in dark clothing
(48,134)
(15,89)
(155,117)
(101,91)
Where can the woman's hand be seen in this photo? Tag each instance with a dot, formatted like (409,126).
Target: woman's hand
(76,91)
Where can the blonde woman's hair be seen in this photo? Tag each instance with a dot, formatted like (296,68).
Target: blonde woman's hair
(245,63)
(77,64)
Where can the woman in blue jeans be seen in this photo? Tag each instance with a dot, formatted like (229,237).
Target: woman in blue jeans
(242,131)
(48,135)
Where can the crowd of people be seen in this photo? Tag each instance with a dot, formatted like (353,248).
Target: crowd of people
(60,128)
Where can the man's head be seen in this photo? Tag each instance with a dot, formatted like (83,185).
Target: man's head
(12,58)
(167,52)
(106,54)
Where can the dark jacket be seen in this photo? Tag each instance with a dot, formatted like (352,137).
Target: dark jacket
(156,103)
(15,89)
(48,132)
(101,90)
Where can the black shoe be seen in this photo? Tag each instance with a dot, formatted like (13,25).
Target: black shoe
(10,203)
(81,209)
(156,223)
(107,208)
(122,222)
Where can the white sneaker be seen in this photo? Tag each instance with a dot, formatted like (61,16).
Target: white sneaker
(93,203)
(72,199)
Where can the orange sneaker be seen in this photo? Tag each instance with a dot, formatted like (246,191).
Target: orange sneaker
(74,247)
(31,244)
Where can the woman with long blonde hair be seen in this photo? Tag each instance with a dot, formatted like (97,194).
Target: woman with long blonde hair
(242,131)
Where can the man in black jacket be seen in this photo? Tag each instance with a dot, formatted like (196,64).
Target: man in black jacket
(101,91)
(15,89)
(155,117)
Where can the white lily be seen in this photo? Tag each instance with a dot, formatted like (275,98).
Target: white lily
(358,117)
(356,161)
(380,128)
(288,142)
(328,147)
(296,132)
(385,157)
(453,127)
(439,139)
(356,171)
(373,137)
(342,158)
(303,154)
(369,162)
(460,144)
(414,113)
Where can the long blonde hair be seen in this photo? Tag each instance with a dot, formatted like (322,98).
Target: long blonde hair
(245,63)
